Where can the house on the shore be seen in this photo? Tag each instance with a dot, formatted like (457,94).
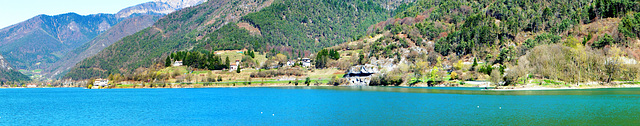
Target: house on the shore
(177,63)
(101,83)
(306,62)
(32,85)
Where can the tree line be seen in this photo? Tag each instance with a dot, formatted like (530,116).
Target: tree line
(199,60)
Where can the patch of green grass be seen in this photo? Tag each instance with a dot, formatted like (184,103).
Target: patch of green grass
(37,71)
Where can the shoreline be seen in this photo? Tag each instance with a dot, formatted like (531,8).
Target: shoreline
(501,88)
(538,88)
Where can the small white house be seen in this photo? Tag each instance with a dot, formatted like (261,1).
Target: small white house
(177,63)
(290,63)
(234,66)
(306,62)
(101,82)
(32,85)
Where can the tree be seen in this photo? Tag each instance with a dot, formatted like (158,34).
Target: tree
(238,70)
(281,58)
(518,71)
(307,81)
(605,40)
(361,59)
(227,62)
(167,62)
(495,77)
(454,75)
(419,69)
(434,73)
(475,63)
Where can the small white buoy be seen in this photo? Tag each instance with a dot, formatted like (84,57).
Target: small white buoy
(273,114)
(260,112)
(500,107)
(478,106)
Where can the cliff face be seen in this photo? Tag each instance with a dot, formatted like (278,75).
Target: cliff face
(158,7)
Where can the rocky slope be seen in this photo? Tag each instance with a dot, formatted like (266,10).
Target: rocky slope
(158,7)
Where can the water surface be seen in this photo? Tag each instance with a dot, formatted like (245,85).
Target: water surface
(318,106)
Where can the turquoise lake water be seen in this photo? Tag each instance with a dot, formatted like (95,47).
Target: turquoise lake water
(318,106)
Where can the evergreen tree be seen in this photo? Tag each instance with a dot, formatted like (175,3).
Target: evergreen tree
(227,62)
(167,62)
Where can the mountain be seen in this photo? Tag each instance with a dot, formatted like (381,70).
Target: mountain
(291,27)
(157,7)
(115,33)
(38,43)
(8,73)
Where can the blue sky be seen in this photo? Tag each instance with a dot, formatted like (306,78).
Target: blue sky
(15,11)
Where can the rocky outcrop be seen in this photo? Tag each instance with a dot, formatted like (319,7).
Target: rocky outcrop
(4,65)
(360,75)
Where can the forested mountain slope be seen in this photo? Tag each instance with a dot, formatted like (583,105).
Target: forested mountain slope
(91,48)
(39,41)
(8,73)
(555,40)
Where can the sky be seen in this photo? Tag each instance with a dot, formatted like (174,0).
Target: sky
(16,11)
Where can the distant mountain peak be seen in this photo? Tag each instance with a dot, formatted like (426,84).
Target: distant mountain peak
(158,7)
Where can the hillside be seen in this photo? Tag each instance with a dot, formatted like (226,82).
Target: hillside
(91,48)
(556,42)
(295,28)
(8,73)
(39,41)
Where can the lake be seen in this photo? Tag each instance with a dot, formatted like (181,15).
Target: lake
(318,106)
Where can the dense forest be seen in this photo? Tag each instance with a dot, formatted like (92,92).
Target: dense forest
(207,60)
(12,75)
(561,40)
(293,27)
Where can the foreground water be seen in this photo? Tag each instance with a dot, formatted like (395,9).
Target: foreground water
(318,106)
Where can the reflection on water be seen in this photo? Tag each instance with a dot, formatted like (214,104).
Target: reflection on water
(479,91)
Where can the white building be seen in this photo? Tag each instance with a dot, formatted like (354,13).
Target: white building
(32,85)
(177,63)
(290,63)
(306,62)
(234,66)
(101,83)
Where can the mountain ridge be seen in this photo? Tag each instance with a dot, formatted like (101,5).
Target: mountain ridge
(39,42)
